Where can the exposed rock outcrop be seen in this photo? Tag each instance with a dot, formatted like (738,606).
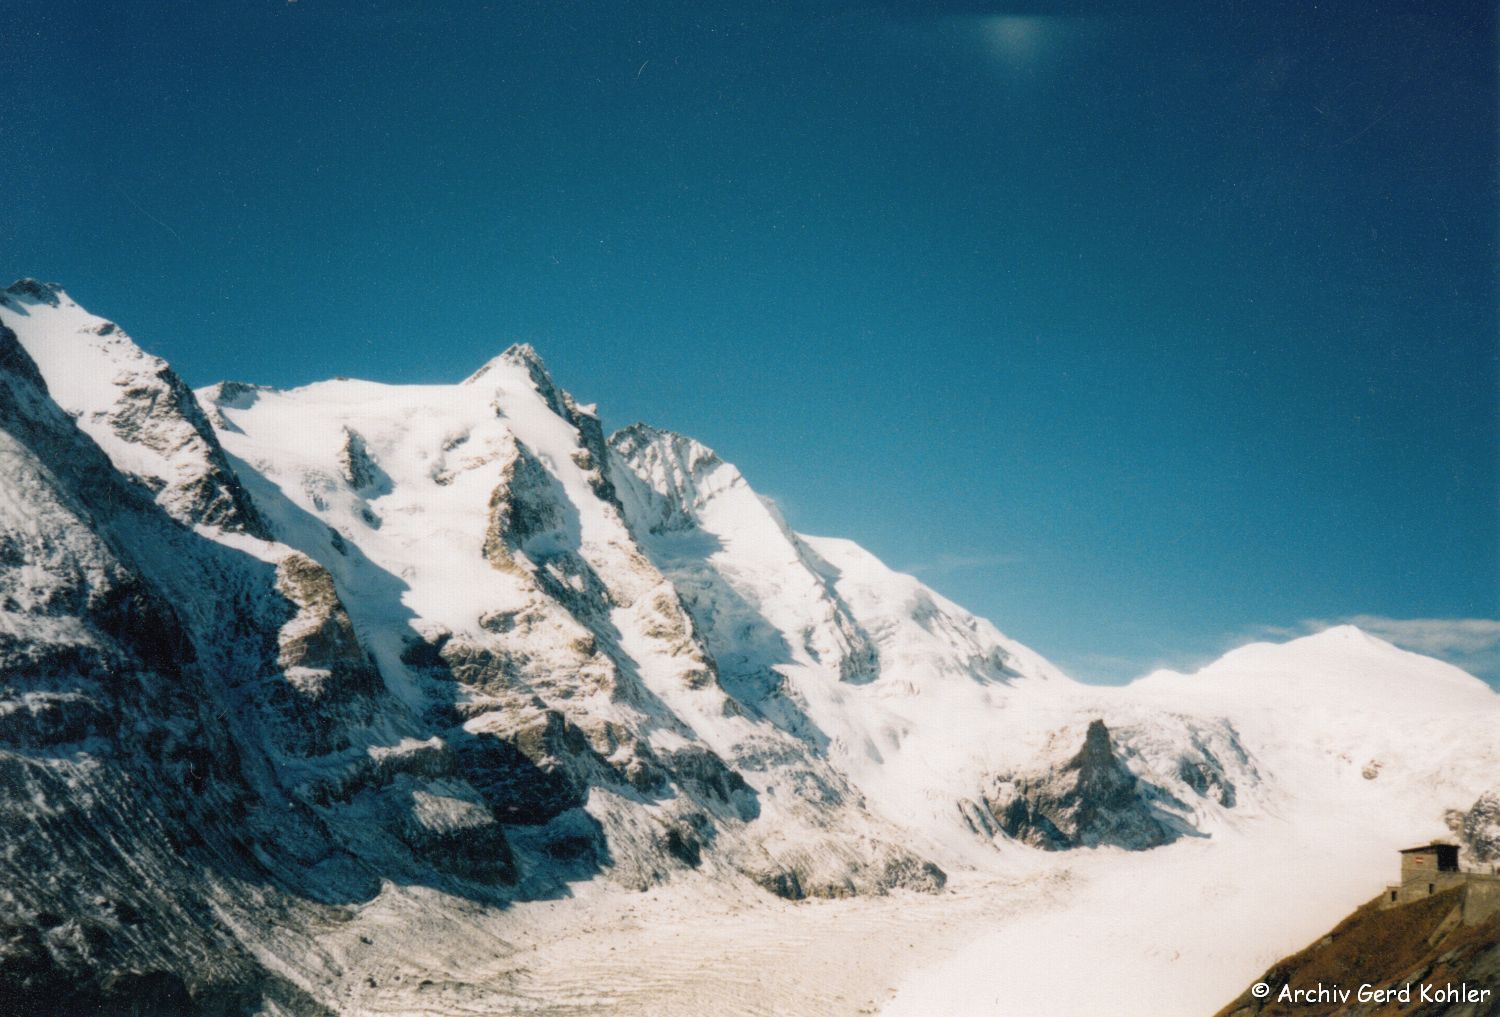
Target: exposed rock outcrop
(330,680)
(1478,828)
(357,465)
(123,795)
(1092,800)
(522,507)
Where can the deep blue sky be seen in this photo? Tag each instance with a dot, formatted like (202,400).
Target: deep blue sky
(1135,328)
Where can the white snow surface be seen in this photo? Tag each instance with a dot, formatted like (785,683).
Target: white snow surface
(1340,746)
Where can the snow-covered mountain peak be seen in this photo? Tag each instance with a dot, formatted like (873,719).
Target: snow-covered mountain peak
(1335,669)
(518,355)
(525,355)
(521,364)
(1333,641)
(1346,633)
(640,434)
(683,500)
(132,404)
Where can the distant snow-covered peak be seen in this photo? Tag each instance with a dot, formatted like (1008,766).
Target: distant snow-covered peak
(1333,669)
(919,629)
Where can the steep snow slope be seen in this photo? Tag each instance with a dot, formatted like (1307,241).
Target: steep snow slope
(132,404)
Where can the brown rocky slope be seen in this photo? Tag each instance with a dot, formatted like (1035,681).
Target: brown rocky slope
(1422,943)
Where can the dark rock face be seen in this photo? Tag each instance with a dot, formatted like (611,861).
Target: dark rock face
(799,876)
(526,777)
(784,883)
(15,362)
(705,773)
(523,507)
(1028,822)
(35,292)
(357,465)
(158,411)
(459,835)
(1207,779)
(45,719)
(1091,801)
(911,873)
(1479,829)
(119,787)
(330,684)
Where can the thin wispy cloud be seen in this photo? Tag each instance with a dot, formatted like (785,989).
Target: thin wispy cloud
(947,564)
